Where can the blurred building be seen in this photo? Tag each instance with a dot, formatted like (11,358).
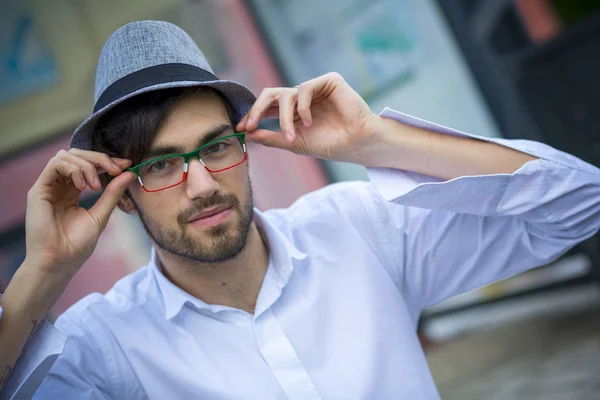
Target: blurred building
(512,68)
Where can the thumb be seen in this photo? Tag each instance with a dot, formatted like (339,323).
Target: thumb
(107,202)
(270,138)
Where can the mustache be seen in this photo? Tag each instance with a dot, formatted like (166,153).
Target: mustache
(229,200)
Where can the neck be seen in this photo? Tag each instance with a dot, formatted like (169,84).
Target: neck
(234,283)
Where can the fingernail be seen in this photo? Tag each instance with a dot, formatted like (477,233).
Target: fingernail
(289,137)
(115,166)
(306,123)
(96,181)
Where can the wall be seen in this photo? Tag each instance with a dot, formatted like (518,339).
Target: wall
(396,53)
(442,89)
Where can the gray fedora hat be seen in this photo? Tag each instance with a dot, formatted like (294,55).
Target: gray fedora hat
(144,56)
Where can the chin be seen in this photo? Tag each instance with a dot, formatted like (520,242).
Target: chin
(224,247)
(213,244)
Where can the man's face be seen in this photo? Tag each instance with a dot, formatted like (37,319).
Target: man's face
(182,219)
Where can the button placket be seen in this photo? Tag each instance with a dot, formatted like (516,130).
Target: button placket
(280,355)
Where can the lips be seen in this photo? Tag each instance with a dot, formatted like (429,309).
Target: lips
(209,212)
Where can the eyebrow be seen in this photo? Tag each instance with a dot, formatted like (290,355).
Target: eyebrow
(208,136)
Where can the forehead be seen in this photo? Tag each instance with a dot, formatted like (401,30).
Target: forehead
(190,118)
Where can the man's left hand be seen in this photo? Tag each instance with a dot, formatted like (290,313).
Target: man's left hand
(323,117)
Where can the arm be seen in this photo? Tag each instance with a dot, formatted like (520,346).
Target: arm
(326,118)
(60,237)
(91,365)
(25,303)
(407,147)
(454,236)
(453,211)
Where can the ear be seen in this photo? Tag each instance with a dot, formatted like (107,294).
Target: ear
(126,205)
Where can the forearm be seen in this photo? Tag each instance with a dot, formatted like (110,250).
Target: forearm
(26,301)
(409,148)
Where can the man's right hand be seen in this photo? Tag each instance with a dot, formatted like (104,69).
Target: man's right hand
(61,235)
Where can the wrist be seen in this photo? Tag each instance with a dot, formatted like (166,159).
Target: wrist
(34,289)
(386,147)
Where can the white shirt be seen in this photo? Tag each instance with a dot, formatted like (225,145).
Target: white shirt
(351,267)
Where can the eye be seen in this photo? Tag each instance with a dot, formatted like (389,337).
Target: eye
(215,148)
(159,165)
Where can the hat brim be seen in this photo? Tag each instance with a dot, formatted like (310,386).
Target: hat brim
(239,97)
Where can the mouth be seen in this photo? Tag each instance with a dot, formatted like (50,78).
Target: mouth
(212,216)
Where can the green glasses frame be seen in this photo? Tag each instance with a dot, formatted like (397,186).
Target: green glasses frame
(187,156)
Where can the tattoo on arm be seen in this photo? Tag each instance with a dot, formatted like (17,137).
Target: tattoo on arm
(35,324)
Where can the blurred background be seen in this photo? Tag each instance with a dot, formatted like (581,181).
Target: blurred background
(505,68)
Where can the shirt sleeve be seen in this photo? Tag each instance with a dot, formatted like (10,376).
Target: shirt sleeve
(85,370)
(453,236)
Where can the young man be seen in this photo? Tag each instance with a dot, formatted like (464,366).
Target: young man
(320,300)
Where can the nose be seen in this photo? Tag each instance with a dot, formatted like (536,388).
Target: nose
(199,182)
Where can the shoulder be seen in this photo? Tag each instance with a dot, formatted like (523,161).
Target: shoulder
(336,190)
(353,212)
(336,199)
(91,364)
(92,358)
(88,313)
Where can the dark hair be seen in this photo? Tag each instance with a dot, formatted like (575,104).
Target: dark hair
(128,130)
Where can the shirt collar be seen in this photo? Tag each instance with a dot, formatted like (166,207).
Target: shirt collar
(281,254)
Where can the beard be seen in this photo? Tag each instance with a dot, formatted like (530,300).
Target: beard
(221,243)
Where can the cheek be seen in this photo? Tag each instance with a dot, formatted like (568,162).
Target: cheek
(235,181)
(159,207)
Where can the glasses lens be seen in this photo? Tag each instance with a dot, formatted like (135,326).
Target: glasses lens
(223,154)
(162,173)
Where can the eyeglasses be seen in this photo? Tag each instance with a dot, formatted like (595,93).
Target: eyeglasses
(167,171)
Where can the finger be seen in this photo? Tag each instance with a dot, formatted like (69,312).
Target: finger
(264,101)
(241,126)
(271,113)
(90,172)
(58,170)
(269,138)
(114,166)
(305,95)
(70,172)
(121,162)
(327,82)
(322,86)
(287,105)
(110,197)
